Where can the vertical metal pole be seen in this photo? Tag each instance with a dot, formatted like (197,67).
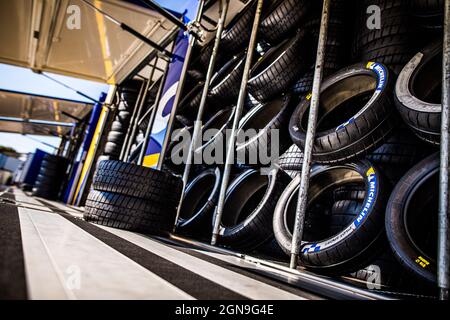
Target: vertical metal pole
(71,142)
(135,120)
(444,203)
(152,116)
(62,146)
(201,108)
(192,41)
(133,115)
(237,117)
(310,135)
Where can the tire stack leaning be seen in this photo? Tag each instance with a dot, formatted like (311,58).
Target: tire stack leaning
(50,178)
(121,122)
(393,42)
(132,197)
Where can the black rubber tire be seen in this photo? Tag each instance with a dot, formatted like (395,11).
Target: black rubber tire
(395,28)
(352,192)
(399,153)
(195,75)
(123,117)
(117,126)
(303,84)
(415,197)
(226,82)
(191,101)
(419,77)
(49,166)
(250,102)
(178,147)
(123,106)
(258,195)
(292,159)
(395,57)
(392,44)
(143,123)
(343,213)
(429,13)
(184,121)
(116,136)
(401,149)
(278,69)
(53,159)
(237,33)
(156,186)
(200,199)
(270,251)
(367,127)
(205,56)
(139,137)
(45,193)
(128,213)
(265,118)
(428,6)
(50,178)
(283,20)
(220,122)
(102,158)
(112,149)
(353,247)
(387,271)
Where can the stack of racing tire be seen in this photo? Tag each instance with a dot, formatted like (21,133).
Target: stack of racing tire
(132,197)
(51,176)
(373,133)
(116,136)
(372,198)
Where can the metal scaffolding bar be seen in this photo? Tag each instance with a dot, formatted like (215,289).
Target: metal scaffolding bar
(198,122)
(310,134)
(134,122)
(130,30)
(144,86)
(444,202)
(36,121)
(153,111)
(187,59)
(166,14)
(237,118)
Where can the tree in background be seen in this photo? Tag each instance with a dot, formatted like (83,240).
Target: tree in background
(10,152)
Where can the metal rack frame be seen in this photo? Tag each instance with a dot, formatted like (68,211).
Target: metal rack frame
(444,210)
(444,201)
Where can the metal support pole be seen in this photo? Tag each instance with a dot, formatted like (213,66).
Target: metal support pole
(67,86)
(187,58)
(71,116)
(310,135)
(201,108)
(135,120)
(62,146)
(444,203)
(144,86)
(166,14)
(237,118)
(37,121)
(130,30)
(154,109)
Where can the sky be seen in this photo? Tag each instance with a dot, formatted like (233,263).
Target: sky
(180,6)
(28,143)
(24,80)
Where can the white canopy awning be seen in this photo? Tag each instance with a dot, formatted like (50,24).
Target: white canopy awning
(15,105)
(35,34)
